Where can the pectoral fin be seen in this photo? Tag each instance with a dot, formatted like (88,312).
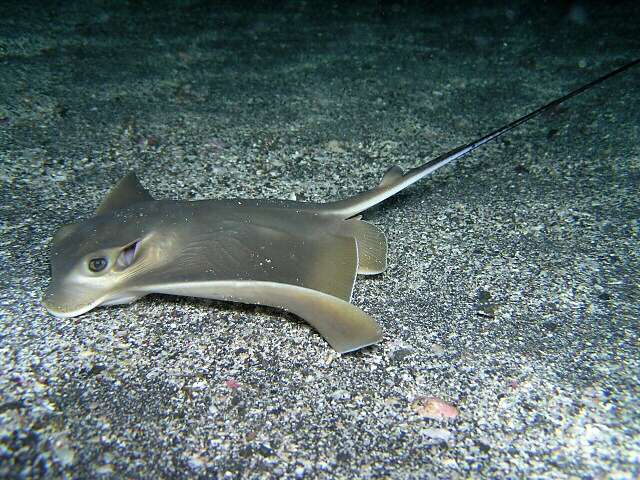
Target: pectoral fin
(238,251)
(345,327)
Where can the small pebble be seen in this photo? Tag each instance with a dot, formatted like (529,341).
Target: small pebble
(231,383)
(438,434)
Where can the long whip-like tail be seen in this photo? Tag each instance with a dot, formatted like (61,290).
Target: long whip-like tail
(394,180)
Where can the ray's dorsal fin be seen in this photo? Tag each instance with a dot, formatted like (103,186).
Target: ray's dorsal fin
(391,175)
(127,192)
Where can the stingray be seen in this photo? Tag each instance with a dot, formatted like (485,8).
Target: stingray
(300,257)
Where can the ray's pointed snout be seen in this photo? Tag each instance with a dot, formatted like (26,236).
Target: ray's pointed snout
(53,304)
(58,301)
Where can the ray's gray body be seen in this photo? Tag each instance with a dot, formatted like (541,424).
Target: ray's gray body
(297,256)
(301,257)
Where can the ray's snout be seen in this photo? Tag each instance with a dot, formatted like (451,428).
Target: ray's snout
(61,302)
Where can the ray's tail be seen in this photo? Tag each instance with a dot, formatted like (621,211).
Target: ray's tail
(395,180)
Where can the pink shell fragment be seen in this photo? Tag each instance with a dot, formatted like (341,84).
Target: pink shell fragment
(435,408)
(231,383)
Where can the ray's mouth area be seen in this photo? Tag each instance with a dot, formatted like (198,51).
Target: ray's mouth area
(67,311)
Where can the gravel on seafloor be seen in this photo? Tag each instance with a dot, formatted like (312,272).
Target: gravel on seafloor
(510,304)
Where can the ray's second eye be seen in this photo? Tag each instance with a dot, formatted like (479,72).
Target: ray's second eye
(97,264)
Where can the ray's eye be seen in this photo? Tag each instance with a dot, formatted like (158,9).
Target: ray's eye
(97,264)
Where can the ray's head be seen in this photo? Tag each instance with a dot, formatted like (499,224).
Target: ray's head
(93,264)
(97,261)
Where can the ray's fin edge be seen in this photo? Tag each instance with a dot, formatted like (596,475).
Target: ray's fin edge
(127,191)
